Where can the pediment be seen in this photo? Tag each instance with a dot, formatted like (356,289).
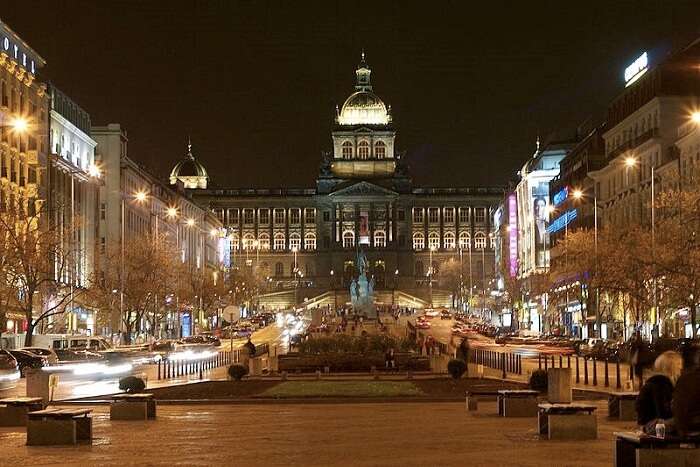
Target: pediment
(364,189)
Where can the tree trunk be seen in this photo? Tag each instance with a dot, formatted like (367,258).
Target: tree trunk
(694,319)
(28,315)
(30,333)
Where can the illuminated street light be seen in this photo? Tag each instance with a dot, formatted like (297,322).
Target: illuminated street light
(171,212)
(630,161)
(577,194)
(94,171)
(19,124)
(213,232)
(695,117)
(190,222)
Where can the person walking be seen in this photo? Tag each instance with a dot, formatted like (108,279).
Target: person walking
(389,359)
(653,403)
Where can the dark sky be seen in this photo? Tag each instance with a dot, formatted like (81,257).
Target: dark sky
(255,83)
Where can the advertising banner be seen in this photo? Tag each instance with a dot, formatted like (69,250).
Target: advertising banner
(364,228)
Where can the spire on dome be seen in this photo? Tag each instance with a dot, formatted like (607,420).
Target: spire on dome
(363,71)
(189,148)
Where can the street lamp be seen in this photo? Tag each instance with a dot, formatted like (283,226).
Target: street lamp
(295,271)
(430,274)
(17,124)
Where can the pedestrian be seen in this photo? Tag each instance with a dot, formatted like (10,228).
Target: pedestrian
(389,359)
(250,347)
(685,405)
(654,400)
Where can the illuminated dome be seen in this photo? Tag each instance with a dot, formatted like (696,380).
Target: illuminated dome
(190,171)
(363,107)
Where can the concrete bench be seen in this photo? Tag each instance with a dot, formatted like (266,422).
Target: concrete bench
(132,407)
(14,410)
(621,406)
(567,421)
(59,427)
(517,402)
(636,449)
(472,398)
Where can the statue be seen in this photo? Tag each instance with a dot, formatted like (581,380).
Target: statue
(362,290)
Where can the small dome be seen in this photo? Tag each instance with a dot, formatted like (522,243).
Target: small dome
(364,107)
(190,171)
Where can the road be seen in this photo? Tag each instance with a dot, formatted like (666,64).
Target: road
(71,386)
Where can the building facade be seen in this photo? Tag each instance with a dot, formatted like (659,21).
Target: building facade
(364,199)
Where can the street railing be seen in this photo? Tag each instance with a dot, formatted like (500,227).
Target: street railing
(507,362)
(173,368)
(587,369)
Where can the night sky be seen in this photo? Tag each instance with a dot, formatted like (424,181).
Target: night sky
(255,83)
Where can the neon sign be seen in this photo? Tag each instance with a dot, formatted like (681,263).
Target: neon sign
(562,221)
(636,69)
(560,196)
(512,235)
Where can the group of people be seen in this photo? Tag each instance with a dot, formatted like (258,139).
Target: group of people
(671,397)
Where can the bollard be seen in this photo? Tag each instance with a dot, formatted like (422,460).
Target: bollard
(539,361)
(560,360)
(520,364)
(585,370)
(553,365)
(545,363)
(200,370)
(503,363)
(595,373)
(607,377)
(578,378)
(568,361)
(617,374)
(158,370)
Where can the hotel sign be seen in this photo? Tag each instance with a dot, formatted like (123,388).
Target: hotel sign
(17,51)
(636,69)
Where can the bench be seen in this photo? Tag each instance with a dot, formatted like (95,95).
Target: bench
(58,427)
(621,405)
(472,398)
(567,421)
(14,410)
(132,407)
(636,449)
(517,402)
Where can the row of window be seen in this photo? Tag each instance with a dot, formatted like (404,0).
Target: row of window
(233,216)
(448,215)
(363,150)
(279,243)
(448,241)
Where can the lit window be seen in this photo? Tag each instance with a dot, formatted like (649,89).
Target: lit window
(248,240)
(279,242)
(347,150)
(363,150)
(379,150)
(379,239)
(310,216)
(433,241)
(264,216)
(248,216)
(234,242)
(464,241)
(294,216)
(480,215)
(449,215)
(418,215)
(480,241)
(449,240)
(294,241)
(348,239)
(433,216)
(310,241)
(418,241)
(279,216)
(233,216)
(264,241)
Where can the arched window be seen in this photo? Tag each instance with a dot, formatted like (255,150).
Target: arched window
(294,241)
(248,240)
(234,242)
(310,241)
(363,150)
(418,241)
(379,239)
(279,242)
(380,150)
(348,239)
(433,240)
(264,241)
(449,240)
(464,241)
(279,269)
(419,270)
(479,241)
(347,150)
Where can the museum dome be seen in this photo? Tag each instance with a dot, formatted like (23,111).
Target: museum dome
(363,107)
(190,171)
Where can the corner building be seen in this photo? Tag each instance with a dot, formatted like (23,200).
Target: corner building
(364,198)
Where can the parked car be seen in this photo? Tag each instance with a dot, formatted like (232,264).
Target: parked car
(27,360)
(50,355)
(73,355)
(9,370)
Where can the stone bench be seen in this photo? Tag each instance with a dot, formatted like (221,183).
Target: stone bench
(59,427)
(141,406)
(472,398)
(517,402)
(14,410)
(567,421)
(621,406)
(636,449)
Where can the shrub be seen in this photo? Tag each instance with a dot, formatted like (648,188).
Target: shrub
(132,384)
(456,368)
(538,380)
(237,372)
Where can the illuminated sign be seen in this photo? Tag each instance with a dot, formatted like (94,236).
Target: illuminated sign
(562,221)
(364,228)
(15,51)
(512,235)
(636,69)
(560,196)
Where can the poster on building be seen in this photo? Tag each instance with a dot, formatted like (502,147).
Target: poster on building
(513,235)
(540,197)
(364,228)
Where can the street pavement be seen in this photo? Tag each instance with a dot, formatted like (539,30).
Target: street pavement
(332,435)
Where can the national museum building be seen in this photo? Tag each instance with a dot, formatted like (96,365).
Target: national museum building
(364,198)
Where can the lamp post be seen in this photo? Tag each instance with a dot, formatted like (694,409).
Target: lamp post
(295,272)
(578,195)
(335,297)
(432,248)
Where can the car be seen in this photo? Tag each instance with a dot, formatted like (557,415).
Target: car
(445,315)
(27,360)
(9,370)
(431,313)
(50,355)
(75,355)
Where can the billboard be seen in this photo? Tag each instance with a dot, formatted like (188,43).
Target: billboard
(364,228)
(540,200)
(512,235)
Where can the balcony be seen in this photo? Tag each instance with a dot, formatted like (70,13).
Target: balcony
(633,143)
